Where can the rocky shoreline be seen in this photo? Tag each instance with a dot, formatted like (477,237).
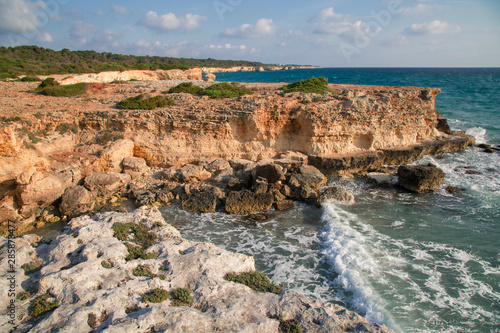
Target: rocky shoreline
(244,156)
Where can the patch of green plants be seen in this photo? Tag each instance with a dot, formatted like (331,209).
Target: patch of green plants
(30,79)
(226,90)
(156,296)
(41,305)
(29,145)
(289,326)
(106,136)
(141,103)
(181,297)
(94,322)
(48,82)
(33,138)
(145,270)
(255,280)
(186,87)
(140,235)
(32,267)
(64,128)
(69,90)
(316,85)
(106,264)
(23,295)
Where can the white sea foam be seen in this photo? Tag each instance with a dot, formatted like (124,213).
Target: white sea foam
(479,133)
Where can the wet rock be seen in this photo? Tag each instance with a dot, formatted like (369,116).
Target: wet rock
(420,178)
(76,200)
(483,146)
(379,178)
(153,195)
(334,193)
(454,189)
(106,184)
(284,205)
(204,200)
(247,202)
(490,150)
(307,175)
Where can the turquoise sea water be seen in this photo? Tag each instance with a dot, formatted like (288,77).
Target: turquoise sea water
(418,263)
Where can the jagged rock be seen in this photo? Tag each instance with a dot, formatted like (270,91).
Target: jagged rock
(443,126)
(153,195)
(261,185)
(76,200)
(271,172)
(192,173)
(8,213)
(294,156)
(454,189)
(134,164)
(106,184)
(420,178)
(8,142)
(284,205)
(217,166)
(307,175)
(241,164)
(36,190)
(335,194)
(85,270)
(247,202)
(112,157)
(205,199)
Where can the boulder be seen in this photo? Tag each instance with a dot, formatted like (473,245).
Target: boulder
(217,166)
(204,201)
(106,184)
(192,173)
(76,200)
(209,77)
(420,178)
(112,156)
(271,172)
(152,195)
(247,202)
(284,205)
(134,164)
(309,176)
(241,164)
(294,156)
(334,193)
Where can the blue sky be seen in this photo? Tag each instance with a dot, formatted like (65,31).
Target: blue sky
(335,33)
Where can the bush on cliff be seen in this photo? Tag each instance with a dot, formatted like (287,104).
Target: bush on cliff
(42,305)
(255,280)
(69,90)
(186,87)
(48,82)
(316,85)
(141,103)
(181,297)
(226,90)
(158,295)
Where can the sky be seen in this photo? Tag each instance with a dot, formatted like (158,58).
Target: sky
(334,33)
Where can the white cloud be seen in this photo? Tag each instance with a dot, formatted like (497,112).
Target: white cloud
(227,46)
(170,22)
(432,28)
(420,9)
(81,29)
(22,16)
(119,9)
(331,23)
(263,28)
(44,37)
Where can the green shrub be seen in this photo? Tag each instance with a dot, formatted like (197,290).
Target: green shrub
(255,280)
(156,296)
(106,264)
(141,103)
(30,79)
(139,234)
(32,267)
(24,295)
(289,326)
(69,90)
(317,85)
(48,82)
(226,90)
(186,87)
(181,297)
(145,270)
(42,306)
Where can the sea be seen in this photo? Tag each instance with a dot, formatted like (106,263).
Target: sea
(414,262)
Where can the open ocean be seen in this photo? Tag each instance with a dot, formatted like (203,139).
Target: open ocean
(417,263)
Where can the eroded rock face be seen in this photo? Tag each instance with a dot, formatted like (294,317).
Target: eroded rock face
(84,269)
(76,200)
(420,178)
(105,184)
(247,202)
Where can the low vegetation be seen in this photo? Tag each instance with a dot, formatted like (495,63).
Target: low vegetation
(140,235)
(42,305)
(218,90)
(69,90)
(32,267)
(181,297)
(33,60)
(156,296)
(142,103)
(145,270)
(255,280)
(316,85)
(289,326)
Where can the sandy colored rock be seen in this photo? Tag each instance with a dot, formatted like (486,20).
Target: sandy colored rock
(76,200)
(192,173)
(112,157)
(105,184)
(210,77)
(336,194)
(271,172)
(308,175)
(8,143)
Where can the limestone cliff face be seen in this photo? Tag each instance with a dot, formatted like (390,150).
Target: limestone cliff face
(261,125)
(139,75)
